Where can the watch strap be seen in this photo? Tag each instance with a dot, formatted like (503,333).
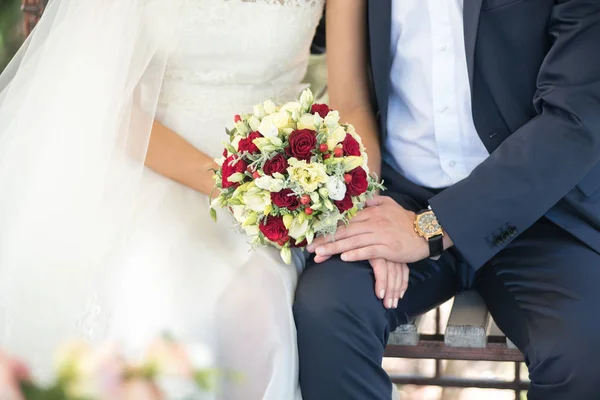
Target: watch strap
(436,246)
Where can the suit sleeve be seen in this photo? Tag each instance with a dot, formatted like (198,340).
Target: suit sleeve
(546,158)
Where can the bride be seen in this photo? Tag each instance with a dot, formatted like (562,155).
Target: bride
(93,244)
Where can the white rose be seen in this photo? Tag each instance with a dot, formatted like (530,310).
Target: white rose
(251,230)
(331,143)
(332,120)
(259,111)
(269,183)
(327,221)
(336,188)
(294,109)
(308,176)
(307,99)
(281,119)
(269,107)
(298,229)
(257,199)
(267,128)
(238,213)
(338,134)
(253,122)
(307,121)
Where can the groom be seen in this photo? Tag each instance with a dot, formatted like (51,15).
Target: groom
(508,132)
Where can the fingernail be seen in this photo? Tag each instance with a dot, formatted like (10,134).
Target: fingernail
(396,303)
(320,251)
(310,248)
(402,294)
(344,257)
(382,294)
(390,303)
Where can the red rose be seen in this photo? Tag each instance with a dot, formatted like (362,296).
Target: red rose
(276,164)
(285,198)
(230,167)
(303,243)
(302,143)
(273,228)
(344,204)
(224,152)
(359,184)
(350,146)
(321,109)
(247,144)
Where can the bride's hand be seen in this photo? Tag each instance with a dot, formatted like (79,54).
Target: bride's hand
(391,281)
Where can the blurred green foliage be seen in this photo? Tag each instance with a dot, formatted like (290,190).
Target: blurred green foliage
(11,30)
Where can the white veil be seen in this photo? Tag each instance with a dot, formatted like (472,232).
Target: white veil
(76,109)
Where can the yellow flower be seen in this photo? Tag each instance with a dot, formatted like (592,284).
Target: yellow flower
(308,176)
(287,220)
(286,255)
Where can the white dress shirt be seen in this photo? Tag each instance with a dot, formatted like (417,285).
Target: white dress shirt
(431,135)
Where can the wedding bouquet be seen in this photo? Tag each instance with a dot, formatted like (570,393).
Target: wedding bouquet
(292,172)
(167,371)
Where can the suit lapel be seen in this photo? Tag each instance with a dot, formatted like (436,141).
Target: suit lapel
(380,23)
(471,11)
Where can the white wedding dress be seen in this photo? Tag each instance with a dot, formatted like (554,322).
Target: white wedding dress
(183,272)
(179,272)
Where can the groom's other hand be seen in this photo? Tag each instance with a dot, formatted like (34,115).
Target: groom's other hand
(382,230)
(391,281)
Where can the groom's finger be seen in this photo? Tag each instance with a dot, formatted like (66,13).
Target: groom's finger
(367,214)
(367,253)
(342,233)
(321,259)
(351,243)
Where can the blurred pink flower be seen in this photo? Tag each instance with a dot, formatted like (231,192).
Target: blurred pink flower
(11,373)
(91,372)
(168,358)
(137,389)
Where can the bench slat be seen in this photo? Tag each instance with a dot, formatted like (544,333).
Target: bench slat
(407,334)
(468,323)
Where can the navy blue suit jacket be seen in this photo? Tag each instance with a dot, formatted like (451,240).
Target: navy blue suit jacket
(534,69)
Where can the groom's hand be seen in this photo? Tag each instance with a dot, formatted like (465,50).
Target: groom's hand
(382,230)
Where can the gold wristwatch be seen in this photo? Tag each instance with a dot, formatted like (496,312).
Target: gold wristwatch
(428,227)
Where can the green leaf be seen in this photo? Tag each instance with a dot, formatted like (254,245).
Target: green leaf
(213,214)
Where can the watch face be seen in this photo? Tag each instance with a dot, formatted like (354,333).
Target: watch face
(428,224)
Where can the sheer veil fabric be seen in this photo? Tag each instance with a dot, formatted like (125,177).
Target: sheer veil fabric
(93,245)
(76,108)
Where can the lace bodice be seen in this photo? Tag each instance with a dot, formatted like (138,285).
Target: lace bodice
(233,54)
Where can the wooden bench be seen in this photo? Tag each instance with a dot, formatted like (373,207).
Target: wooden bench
(470,334)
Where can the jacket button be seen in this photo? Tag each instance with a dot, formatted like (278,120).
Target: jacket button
(512,231)
(505,236)
(498,241)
